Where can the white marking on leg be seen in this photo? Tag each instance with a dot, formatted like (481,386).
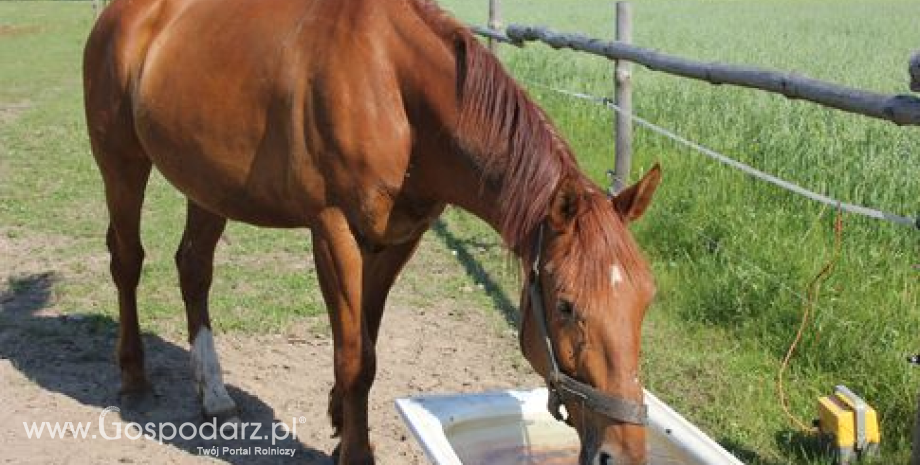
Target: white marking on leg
(209,380)
(616,275)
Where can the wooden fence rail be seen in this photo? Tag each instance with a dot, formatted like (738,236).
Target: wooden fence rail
(899,109)
(497,35)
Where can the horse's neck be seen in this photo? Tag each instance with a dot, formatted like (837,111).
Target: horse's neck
(457,177)
(480,186)
(445,171)
(459,153)
(486,186)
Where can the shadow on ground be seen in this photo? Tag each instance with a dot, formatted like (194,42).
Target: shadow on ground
(73,355)
(475,270)
(745,454)
(806,447)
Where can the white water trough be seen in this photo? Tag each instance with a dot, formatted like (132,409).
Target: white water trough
(514,427)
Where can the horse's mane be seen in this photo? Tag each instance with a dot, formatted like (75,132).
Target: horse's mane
(511,135)
(515,139)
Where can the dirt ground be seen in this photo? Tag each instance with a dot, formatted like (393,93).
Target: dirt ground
(59,368)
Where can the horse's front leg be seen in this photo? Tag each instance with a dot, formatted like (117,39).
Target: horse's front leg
(340,269)
(380,269)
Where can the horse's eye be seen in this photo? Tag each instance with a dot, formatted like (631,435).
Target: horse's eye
(564,307)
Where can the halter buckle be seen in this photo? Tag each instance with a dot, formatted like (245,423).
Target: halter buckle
(554,404)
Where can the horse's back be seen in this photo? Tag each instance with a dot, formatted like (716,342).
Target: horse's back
(260,110)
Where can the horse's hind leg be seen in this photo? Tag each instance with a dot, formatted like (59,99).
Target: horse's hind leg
(125,168)
(125,180)
(195,261)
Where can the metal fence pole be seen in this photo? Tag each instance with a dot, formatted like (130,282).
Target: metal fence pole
(622,76)
(495,22)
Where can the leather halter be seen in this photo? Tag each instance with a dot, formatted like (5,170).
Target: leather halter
(563,387)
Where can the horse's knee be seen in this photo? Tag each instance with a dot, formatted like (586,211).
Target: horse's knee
(127,259)
(215,401)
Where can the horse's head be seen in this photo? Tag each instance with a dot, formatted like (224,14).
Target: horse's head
(583,306)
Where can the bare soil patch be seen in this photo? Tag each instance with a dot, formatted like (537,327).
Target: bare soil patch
(11,30)
(10,111)
(59,368)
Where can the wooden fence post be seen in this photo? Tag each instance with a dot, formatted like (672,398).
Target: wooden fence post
(495,22)
(98,6)
(914,70)
(622,76)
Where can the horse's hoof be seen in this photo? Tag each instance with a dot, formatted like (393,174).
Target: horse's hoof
(351,459)
(335,453)
(137,398)
(225,416)
(355,461)
(216,403)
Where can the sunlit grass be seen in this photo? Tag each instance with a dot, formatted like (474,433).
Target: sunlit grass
(732,256)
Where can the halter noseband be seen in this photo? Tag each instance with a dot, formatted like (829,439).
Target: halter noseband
(563,387)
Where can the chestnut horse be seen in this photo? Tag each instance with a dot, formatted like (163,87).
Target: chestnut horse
(361,120)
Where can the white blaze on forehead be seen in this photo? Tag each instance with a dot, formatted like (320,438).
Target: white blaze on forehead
(616,275)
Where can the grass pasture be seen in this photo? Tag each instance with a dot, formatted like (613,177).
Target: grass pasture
(732,256)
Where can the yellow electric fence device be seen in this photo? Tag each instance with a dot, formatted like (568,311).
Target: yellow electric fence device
(849,424)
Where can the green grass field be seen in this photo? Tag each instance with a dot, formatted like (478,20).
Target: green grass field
(733,256)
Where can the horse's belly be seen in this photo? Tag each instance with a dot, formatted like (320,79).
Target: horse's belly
(226,155)
(271,204)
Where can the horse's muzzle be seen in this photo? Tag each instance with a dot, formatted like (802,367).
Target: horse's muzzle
(608,457)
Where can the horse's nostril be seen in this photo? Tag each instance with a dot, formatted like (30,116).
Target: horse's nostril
(606,459)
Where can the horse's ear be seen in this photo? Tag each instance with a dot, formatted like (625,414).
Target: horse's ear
(632,201)
(567,204)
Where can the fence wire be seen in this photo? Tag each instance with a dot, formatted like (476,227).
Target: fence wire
(747,169)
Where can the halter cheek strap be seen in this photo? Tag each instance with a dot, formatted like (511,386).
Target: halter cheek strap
(563,387)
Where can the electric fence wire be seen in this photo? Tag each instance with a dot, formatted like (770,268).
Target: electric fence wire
(751,171)
(810,308)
